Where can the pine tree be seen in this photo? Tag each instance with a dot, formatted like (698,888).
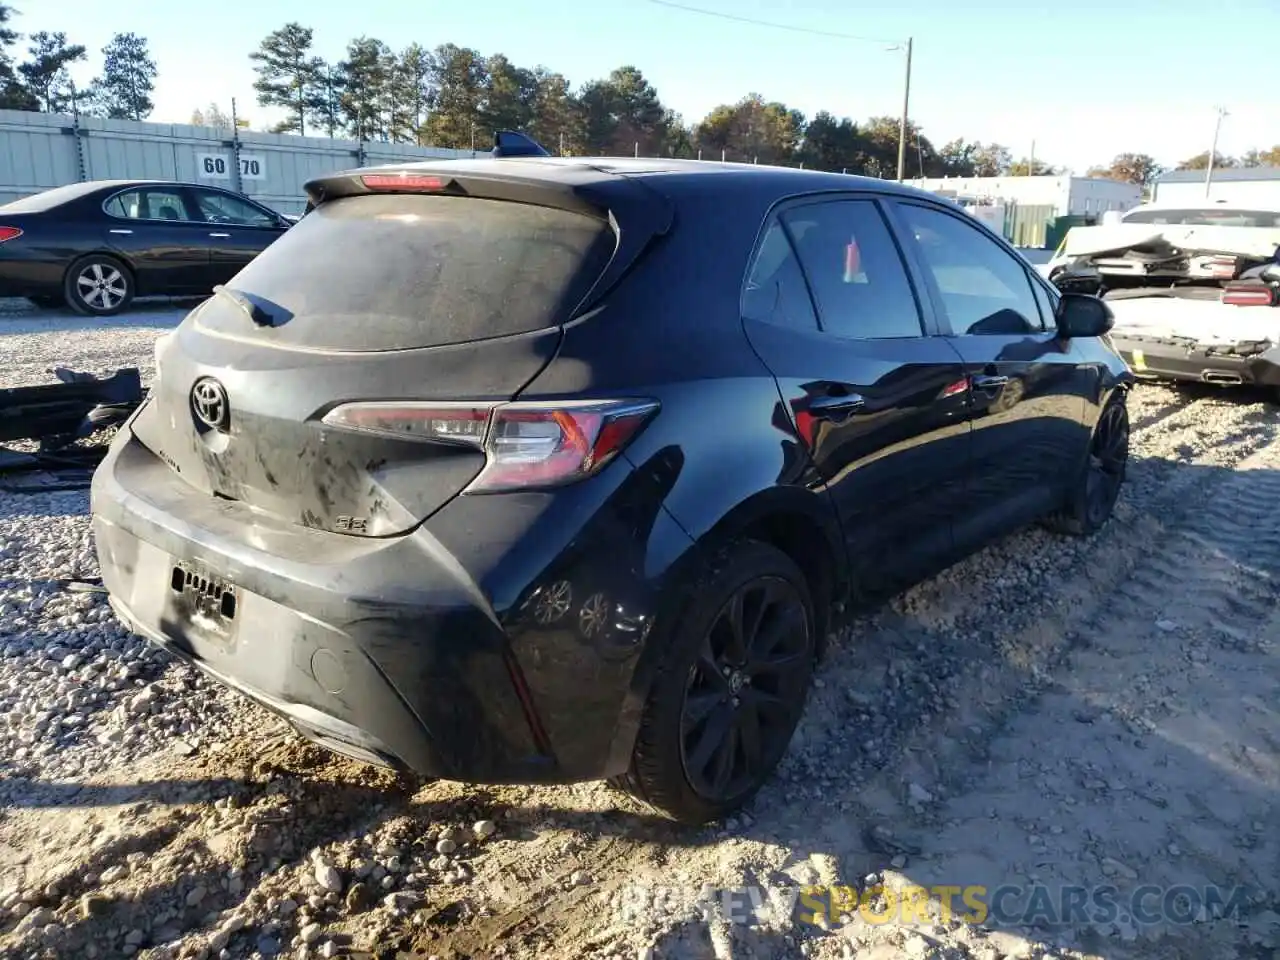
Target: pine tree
(413,91)
(46,75)
(123,92)
(366,96)
(13,95)
(289,76)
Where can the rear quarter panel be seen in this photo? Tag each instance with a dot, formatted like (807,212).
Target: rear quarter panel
(721,453)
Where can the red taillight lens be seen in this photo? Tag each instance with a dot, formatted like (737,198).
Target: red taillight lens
(1249,295)
(1222,268)
(9,233)
(526,444)
(541,445)
(403,182)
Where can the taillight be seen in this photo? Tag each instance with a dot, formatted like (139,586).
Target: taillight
(403,182)
(9,233)
(1222,268)
(527,444)
(1249,295)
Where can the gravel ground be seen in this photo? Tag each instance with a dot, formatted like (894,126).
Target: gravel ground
(1051,713)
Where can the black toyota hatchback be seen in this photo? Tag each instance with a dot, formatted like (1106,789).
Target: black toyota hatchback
(543,470)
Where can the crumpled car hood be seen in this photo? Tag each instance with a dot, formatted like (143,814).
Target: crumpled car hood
(1254,243)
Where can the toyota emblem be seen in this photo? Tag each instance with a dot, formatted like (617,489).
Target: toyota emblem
(209,404)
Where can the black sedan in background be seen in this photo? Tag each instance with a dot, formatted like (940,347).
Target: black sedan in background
(95,246)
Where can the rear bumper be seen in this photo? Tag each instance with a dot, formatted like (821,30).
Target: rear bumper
(26,277)
(1241,364)
(383,649)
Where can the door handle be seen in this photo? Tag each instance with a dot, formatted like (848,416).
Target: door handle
(220,235)
(836,405)
(125,232)
(989,382)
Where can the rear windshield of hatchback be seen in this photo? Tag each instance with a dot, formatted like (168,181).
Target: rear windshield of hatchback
(396,271)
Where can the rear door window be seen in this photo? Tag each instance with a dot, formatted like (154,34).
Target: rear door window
(854,270)
(151,203)
(395,272)
(775,291)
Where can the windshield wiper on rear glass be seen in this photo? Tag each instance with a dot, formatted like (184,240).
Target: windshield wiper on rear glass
(252,310)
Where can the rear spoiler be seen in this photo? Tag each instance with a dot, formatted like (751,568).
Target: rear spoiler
(506,143)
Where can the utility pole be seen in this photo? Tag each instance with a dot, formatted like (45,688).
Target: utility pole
(1213,152)
(1031,162)
(237,180)
(902,129)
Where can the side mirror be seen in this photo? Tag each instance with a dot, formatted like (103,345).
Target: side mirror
(1082,315)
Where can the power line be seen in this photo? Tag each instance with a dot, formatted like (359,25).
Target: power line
(771,24)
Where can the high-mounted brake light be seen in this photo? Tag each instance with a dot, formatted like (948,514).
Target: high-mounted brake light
(9,233)
(527,444)
(1249,295)
(403,182)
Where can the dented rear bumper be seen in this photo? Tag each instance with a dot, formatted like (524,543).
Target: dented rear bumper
(379,648)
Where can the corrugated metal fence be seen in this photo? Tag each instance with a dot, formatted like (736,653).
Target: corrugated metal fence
(41,150)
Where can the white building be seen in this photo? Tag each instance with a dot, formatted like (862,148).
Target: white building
(1067,195)
(1243,186)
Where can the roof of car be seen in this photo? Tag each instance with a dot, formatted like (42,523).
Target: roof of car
(1221,173)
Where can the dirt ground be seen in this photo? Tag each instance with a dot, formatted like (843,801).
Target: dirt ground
(1086,726)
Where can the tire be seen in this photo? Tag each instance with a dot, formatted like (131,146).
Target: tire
(48,303)
(1093,497)
(673,769)
(98,286)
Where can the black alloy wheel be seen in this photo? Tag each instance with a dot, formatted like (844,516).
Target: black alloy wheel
(1093,496)
(1108,457)
(735,665)
(744,691)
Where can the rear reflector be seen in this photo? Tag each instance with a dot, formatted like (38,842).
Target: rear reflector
(1249,295)
(9,233)
(403,182)
(527,445)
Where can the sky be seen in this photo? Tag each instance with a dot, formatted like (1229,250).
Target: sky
(1079,82)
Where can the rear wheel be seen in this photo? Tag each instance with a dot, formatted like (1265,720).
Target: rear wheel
(98,286)
(725,704)
(1090,503)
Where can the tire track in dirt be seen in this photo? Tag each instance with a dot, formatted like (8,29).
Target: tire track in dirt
(1185,630)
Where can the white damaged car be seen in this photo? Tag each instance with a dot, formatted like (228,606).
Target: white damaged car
(1195,289)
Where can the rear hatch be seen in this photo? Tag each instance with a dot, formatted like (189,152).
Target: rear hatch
(451,297)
